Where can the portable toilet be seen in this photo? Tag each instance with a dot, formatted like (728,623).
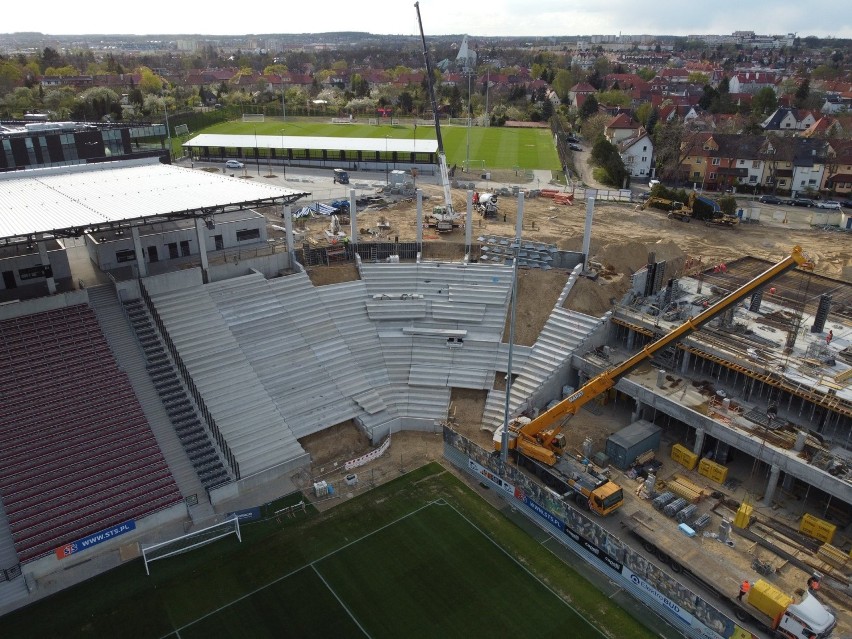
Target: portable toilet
(341,176)
(626,445)
(398,177)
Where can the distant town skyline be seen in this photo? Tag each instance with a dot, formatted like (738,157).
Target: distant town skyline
(440,17)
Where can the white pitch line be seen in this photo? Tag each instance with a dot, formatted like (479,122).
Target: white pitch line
(340,601)
(526,570)
(293,572)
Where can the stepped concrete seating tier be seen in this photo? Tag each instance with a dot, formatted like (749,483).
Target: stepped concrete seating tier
(76,451)
(248,419)
(560,336)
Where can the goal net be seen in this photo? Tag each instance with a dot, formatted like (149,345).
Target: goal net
(373,121)
(394,121)
(190,541)
(182,129)
(253,117)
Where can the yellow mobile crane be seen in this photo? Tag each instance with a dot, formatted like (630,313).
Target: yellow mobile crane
(541,438)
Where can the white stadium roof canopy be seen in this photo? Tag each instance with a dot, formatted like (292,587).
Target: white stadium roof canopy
(67,200)
(314,143)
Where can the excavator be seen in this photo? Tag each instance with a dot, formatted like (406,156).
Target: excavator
(444,217)
(696,207)
(542,439)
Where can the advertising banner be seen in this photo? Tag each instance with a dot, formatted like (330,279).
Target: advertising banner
(94,539)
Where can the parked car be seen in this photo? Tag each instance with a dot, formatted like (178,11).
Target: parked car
(828,204)
(573,138)
(770,199)
(234,164)
(802,201)
(575,147)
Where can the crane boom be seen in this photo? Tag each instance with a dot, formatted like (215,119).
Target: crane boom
(442,158)
(539,436)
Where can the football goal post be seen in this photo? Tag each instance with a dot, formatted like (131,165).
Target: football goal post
(253,117)
(181,129)
(394,121)
(190,541)
(373,121)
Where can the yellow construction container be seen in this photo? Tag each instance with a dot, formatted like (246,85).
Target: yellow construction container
(768,599)
(712,470)
(743,517)
(817,528)
(683,456)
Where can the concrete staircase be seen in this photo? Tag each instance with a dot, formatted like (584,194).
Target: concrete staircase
(131,359)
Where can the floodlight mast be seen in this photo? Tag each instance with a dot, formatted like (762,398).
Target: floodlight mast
(442,158)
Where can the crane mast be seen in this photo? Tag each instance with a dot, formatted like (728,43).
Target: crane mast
(442,158)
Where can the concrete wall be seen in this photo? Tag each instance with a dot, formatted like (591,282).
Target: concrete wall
(246,484)
(269,265)
(378,433)
(107,244)
(58,261)
(173,281)
(50,563)
(39,304)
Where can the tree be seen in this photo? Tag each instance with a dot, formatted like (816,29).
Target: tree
(593,127)
(149,81)
(275,69)
(10,75)
(651,126)
(360,87)
(764,102)
(728,204)
(802,93)
(562,83)
(590,107)
(696,77)
(646,74)
(606,156)
(614,98)
(406,102)
(643,112)
(95,104)
(708,96)
(50,58)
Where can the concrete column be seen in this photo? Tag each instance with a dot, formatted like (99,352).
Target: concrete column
(201,233)
(771,485)
(468,224)
(353,214)
(419,218)
(587,231)
(631,338)
(699,441)
(788,482)
(637,412)
(684,365)
(519,223)
(141,266)
(45,262)
(288,233)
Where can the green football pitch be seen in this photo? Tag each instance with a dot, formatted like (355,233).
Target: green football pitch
(420,576)
(420,556)
(490,147)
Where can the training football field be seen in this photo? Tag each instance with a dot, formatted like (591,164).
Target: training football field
(490,147)
(429,574)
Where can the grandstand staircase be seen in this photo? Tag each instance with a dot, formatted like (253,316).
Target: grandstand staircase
(127,352)
(182,412)
(562,334)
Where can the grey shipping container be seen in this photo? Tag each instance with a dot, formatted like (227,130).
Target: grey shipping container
(627,444)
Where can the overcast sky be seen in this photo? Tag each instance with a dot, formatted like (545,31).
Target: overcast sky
(478,18)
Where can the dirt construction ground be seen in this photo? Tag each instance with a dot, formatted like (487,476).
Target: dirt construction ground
(622,236)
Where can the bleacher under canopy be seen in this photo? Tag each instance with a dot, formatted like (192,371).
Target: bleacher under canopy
(71,200)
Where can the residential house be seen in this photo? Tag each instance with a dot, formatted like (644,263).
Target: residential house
(824,127)
(790,120)
(838,173)
(636,153)
(621,127)
(579,92)
(751,81)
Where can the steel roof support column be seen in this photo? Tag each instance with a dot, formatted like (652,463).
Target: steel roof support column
(201,233)
(141,266)
(45,262)
(288,233)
